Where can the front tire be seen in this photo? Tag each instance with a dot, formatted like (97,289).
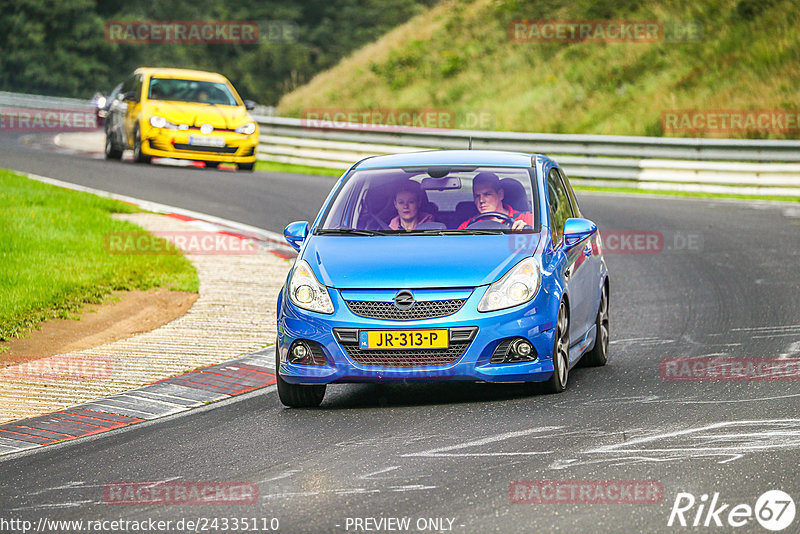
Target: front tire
(598,356)
(246,166)
(297,395)
(558,382)
(138,156)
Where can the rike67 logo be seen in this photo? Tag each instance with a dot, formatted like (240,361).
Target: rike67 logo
(774,510)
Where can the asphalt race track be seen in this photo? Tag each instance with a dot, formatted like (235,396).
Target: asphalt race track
(724,282)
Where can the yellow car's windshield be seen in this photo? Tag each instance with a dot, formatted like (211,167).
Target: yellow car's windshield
(198,91)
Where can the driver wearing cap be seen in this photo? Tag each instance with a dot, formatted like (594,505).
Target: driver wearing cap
(489,199)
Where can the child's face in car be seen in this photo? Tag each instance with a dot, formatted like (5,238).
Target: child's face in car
(407,205)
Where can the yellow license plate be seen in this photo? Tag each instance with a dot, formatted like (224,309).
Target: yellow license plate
(403,339)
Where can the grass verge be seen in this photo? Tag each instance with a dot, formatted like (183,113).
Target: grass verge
(272,166)
(53,258)
(687,194)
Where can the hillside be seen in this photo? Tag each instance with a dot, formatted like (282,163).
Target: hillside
(459,56)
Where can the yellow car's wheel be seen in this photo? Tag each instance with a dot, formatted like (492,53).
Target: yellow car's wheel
(138,157)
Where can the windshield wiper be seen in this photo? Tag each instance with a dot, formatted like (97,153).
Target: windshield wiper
(349,231)
(481,231)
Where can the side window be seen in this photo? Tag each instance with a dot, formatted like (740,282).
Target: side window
(558,202)
(137,88)
(572,200)
(127,86)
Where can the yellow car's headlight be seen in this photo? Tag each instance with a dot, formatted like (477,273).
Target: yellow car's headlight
(247,129)
(157,121)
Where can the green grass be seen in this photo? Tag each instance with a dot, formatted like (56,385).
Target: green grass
(458,56)
(270,166)
(53,258)
(688,194)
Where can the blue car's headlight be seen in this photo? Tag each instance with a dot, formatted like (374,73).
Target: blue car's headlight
(306,292)
(247,129)
(519,285)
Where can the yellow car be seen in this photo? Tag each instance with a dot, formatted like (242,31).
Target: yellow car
(185,114)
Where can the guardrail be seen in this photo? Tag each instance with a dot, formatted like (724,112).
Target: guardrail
(688,164)
(747,166)
(20,100)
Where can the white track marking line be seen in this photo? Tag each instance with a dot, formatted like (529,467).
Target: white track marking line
(386,470)
(623,448)
(444,451)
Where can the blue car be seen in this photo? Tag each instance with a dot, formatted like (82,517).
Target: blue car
(443,265)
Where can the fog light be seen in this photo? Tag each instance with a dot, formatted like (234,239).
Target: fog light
(299,352)
(304,352)
(523,348)
(514,350)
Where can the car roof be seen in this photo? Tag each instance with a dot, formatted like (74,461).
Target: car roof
(182,73)
(483,158)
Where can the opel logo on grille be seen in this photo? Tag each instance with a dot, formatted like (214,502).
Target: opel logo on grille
(206,128)
(404,300)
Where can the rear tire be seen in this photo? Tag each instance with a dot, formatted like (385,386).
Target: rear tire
(212,164)
(112,152)
(558,382)
(297,395)
(598,356)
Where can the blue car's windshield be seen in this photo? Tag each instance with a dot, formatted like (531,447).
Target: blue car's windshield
(434,200)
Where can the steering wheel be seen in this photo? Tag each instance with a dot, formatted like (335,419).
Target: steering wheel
(506,219)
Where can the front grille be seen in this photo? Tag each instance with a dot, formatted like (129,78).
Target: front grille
(406,358)
(426,309)
(200,148)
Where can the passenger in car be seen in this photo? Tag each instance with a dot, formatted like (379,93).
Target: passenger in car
(488,195)
(407,201)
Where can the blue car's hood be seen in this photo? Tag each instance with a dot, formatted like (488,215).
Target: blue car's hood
(391,262)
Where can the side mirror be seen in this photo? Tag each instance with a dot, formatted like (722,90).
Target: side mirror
(249,105)
(576,230)
(295,233)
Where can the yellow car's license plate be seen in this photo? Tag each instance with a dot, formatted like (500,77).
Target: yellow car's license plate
(403,339)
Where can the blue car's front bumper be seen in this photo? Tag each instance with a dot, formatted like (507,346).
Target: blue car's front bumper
(534,321)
